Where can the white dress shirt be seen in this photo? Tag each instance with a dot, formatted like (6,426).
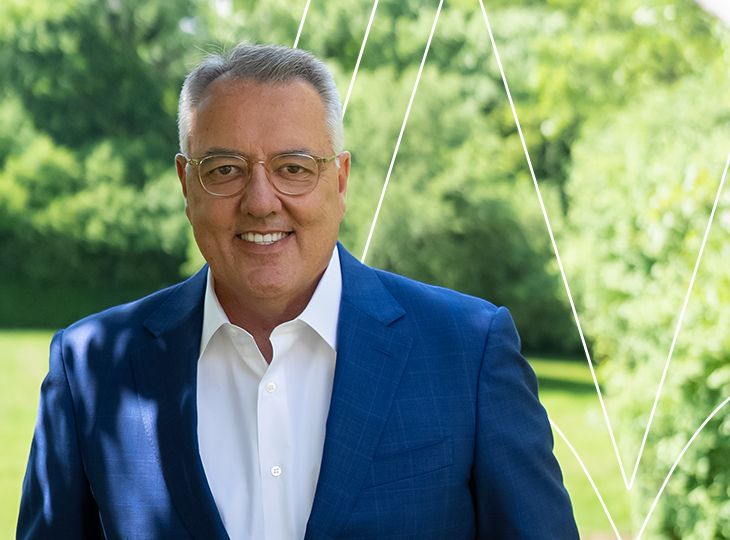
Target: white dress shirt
(261,426)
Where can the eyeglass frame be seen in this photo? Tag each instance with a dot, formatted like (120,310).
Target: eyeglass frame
(319,160)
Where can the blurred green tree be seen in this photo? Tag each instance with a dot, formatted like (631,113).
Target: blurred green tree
(90,91)
(96,85)
(641,190)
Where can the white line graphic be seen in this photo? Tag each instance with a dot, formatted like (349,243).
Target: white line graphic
(666,479)
(627,482)
(400,135)
(680,320)
(588,476)
(359,57)
(676,462)
(301,25)
(552,238)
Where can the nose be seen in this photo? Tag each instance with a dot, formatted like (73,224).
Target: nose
(260,199)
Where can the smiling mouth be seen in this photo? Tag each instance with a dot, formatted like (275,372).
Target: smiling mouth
(263,239)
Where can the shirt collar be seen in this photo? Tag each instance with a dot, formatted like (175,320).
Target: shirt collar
(321,314)
(323,310)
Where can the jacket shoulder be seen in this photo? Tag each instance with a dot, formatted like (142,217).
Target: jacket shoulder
(433,299)
(127,315)
(128,321)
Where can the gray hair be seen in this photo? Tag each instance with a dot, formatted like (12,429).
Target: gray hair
(262,64)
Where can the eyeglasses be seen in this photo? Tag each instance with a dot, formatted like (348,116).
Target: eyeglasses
(225,175)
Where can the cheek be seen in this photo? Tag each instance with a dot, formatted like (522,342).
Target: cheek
(329,211)
(342,202)
(198,219)
(323,220)
(187,212)
(210,216)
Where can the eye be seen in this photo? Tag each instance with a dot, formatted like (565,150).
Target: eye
(294,166)
(219,169)
(293,169)
(224,170)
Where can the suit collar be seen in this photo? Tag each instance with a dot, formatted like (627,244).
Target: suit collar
(363,290)
(182,305)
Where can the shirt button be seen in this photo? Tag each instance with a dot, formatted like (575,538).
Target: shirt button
(271,387)
(275,471)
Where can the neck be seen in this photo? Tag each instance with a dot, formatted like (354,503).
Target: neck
(259,316)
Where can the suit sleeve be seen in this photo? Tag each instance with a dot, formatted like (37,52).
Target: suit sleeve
(56,500)
(517,483)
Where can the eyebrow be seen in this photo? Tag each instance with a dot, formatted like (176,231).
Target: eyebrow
(223,150)
(220,150)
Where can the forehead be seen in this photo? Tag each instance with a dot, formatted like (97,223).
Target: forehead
(249,116)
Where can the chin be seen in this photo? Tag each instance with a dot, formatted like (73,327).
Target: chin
(266,288)
(267,291)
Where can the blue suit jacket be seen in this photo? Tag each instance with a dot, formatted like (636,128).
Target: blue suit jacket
(434,429)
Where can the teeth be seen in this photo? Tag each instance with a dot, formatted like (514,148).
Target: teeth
(263,239)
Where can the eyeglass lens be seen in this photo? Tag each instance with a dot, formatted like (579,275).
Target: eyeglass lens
(291,174)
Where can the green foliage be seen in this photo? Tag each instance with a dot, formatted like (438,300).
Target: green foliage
(460,111)
(92,88)
(115,61)
(597,57)
(89,198)
(461,210)
(456,214)
(60,210)
(641,191)
(624,122)
(16,130)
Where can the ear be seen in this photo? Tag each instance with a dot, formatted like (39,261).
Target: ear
(343,174)
(181,163)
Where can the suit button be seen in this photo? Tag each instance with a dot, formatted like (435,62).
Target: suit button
(275,471)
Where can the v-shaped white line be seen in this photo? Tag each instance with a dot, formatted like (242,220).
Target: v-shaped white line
(664,483)
(359,58)
(301,24)
(402,131)
(628,482)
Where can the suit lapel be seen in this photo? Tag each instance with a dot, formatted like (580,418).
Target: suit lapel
(371,356)
(166,376)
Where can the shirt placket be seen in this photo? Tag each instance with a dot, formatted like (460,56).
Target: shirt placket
(275,445)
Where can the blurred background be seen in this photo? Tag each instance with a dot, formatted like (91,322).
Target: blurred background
(625,109)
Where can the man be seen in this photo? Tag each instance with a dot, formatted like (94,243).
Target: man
(287,391)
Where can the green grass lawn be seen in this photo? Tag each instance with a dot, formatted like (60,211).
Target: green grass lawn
(566,390)
(569,395)
(25,361)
